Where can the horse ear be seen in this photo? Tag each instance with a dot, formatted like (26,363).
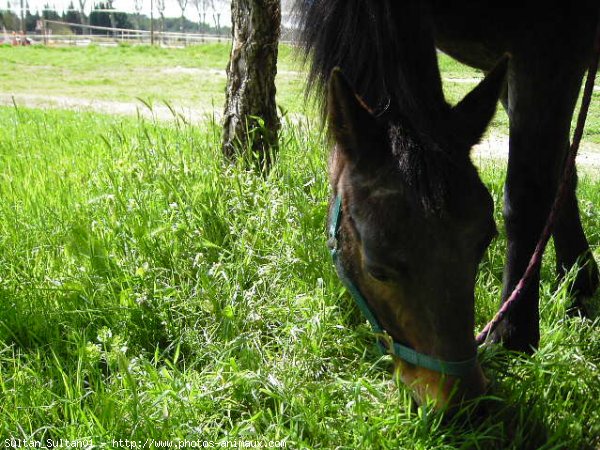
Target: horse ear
(474,112)
(350,121)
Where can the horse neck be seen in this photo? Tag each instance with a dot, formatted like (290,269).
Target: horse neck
(415,84)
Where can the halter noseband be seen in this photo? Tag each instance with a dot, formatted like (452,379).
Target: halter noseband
(386,343)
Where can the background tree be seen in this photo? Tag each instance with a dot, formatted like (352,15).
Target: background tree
(85,20)
(138,5)
(160,7)
(201,7)
(217,20)
(49,13)
(250,119)
(72,15)
(9,19)
(182,5)
(30,19)
(104,15)
(99,16)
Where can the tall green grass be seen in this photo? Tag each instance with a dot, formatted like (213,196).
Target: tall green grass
(148,289)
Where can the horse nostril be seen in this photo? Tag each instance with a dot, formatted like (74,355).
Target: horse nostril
(446,393)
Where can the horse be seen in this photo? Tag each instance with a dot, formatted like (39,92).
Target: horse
(411,217)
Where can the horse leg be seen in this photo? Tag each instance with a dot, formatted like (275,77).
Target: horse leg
(541,100)
(571,245)
(572,248)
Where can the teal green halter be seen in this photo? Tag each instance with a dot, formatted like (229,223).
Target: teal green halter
(454,368)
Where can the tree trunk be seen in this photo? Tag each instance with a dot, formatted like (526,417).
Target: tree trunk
(250,122)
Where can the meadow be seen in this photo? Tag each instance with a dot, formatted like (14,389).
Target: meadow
(191,77)
(150,290)
(184,78)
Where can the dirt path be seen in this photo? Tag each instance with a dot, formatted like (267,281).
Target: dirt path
(474,80)
(159,111)
(493,147)
(496,147)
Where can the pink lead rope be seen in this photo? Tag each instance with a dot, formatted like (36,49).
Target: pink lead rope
(536,258)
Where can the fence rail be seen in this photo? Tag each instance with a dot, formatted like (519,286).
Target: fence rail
(91,34)
(88,34)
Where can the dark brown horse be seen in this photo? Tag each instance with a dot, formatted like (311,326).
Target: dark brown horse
(415,218)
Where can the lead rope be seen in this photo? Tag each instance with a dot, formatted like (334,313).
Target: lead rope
(536,258)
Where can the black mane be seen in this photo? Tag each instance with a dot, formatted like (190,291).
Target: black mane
(386,51)
(384,48)
(424,169)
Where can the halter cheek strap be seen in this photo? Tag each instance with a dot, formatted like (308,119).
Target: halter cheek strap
(386,343)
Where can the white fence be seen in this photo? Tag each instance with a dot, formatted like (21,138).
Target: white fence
(89,34)
(113,36)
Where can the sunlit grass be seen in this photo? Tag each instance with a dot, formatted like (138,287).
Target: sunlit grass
(191,77)
(148,289)
(187,78)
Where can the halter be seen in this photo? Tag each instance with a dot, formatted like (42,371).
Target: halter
(386,343)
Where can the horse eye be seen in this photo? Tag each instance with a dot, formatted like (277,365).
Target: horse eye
(379,274)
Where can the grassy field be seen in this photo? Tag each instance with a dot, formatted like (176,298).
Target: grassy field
(148,290)
(192,77)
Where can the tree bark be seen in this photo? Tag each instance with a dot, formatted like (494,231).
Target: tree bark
(250,122)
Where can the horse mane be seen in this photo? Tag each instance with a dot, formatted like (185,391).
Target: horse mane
(424,169)
(385,50)
(384,47)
